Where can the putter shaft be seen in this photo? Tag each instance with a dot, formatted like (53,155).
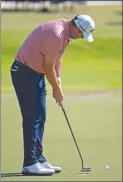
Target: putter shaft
(72,135)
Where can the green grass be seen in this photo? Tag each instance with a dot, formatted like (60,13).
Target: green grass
(96,119)
(96,122)
(86,66)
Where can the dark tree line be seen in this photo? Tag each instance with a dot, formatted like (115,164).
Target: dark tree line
(44,9)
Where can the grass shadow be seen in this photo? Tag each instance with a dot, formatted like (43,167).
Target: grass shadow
(3,175)
(114,23)
(119,13)
(10,174)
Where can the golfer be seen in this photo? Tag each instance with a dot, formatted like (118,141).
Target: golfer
(40,57)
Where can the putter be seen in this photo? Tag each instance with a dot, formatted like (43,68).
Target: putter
(83,168)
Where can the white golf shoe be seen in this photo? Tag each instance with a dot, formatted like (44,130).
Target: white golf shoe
(49,166)
(37,169)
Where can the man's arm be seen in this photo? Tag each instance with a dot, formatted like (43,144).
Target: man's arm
(52,78)
(51,74)
(58,65)
(51,49)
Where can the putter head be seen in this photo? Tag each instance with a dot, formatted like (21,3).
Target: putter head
(85,170)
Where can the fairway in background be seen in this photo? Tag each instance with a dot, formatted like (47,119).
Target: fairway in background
(86,66)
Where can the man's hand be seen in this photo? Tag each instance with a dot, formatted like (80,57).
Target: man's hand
(58,95)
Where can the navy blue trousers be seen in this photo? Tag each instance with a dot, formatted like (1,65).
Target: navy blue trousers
(30,89)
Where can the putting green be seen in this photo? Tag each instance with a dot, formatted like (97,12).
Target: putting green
(96,121)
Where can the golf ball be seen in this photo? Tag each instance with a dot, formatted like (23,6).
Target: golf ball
(107,167)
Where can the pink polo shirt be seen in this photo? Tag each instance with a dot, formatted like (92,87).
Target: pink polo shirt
(45,43)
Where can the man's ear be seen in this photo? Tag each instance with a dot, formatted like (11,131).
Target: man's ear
(75,28)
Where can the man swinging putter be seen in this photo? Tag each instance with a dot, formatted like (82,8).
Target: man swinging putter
(38,57)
